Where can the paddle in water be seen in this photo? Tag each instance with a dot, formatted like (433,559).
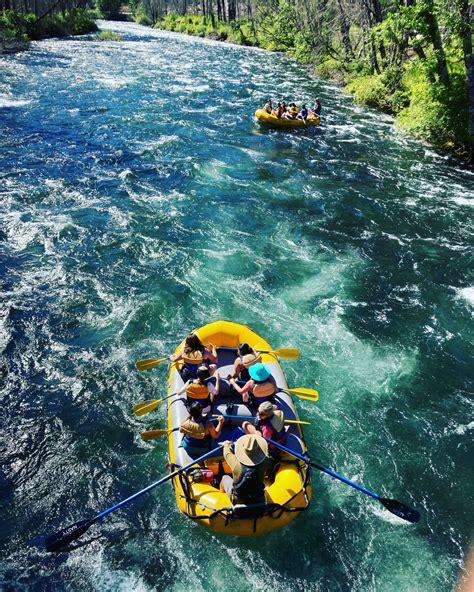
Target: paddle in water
(401,510)
(72,532)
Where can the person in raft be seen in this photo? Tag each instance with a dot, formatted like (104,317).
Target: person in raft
(246,357)
(261,385)
(202,389)
(268,106)
(193,355)
(248,461)
(199,433)
(316,107)
(303,114)
(270,423)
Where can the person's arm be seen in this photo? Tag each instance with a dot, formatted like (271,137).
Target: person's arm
(216,374)
(248,386)
(230,457)
(176,357)
(215,432)
(212,354)
(184,387)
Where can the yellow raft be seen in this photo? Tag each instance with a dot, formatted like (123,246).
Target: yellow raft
(264,117)
(287,493)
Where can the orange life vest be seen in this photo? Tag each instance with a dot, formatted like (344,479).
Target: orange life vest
(263,391)
(197,391)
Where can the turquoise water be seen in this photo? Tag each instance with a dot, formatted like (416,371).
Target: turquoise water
(139,200)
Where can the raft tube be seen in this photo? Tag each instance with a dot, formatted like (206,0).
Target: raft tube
(264,117)
(287,493)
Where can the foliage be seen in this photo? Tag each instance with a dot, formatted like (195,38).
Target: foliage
(108,9)
(70,22)
(109,36)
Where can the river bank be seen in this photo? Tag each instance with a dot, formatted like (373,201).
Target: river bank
(18,29)
(435,116)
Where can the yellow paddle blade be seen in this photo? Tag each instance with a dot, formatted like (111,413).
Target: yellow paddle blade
(290,353)
(145,407)
(149,363)
(298,422)
(304,393)
(153,434)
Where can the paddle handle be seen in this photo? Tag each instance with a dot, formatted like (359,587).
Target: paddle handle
(325,470)
(153,485)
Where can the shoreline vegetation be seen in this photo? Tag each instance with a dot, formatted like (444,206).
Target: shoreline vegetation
(409,58)
(426,107)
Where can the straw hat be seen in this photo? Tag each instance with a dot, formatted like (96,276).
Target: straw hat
(259,372)
(277,417)
(251,450)
(189,427)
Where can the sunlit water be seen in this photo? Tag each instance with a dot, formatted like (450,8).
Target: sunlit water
(140,199)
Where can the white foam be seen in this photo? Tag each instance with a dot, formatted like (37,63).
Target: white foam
(467,294)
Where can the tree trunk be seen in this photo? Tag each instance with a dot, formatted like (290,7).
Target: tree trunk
(437,44)
(344,27)
(466,16)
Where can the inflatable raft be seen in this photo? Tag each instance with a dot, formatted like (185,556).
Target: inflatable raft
(264,117)
(287,492)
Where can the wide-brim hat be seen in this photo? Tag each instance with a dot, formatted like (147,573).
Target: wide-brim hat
(278,420)
(251,359)
(259,372)
(251,450)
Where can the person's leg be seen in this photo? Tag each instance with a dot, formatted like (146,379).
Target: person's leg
(249,428)
(226,484)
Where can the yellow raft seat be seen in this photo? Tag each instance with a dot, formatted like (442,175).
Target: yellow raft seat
(287,493)
(264,117)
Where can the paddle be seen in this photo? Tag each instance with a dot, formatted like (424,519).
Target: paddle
(153,434)
(304,393)
(397,508)
(145,407)
(296,421)
(149,363)
(290,353)
(61,538)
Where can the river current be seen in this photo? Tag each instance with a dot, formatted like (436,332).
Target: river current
(139,200)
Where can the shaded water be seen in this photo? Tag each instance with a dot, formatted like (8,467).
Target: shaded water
(139,200)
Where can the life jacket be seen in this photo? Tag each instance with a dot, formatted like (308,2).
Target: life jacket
(263,391)
(197,391)
(277,436)
(250,487)
(192,360)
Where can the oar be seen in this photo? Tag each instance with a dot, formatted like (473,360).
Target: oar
(296,421)
(145,407)
(153,434)
(304,393)
(397,508)
(290,353)
(74,531)
(149,363)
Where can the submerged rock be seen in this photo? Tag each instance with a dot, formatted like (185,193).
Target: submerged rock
(13,45)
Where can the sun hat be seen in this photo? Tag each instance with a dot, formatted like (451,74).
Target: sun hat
(193,429)
(278,420)
(259,372)
(251,450)
(266,408)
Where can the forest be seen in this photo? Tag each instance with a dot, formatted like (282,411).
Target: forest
(409,58)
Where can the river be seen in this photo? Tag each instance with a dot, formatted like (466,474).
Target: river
(139,200)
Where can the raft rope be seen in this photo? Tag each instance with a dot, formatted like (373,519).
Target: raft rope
(239,511)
